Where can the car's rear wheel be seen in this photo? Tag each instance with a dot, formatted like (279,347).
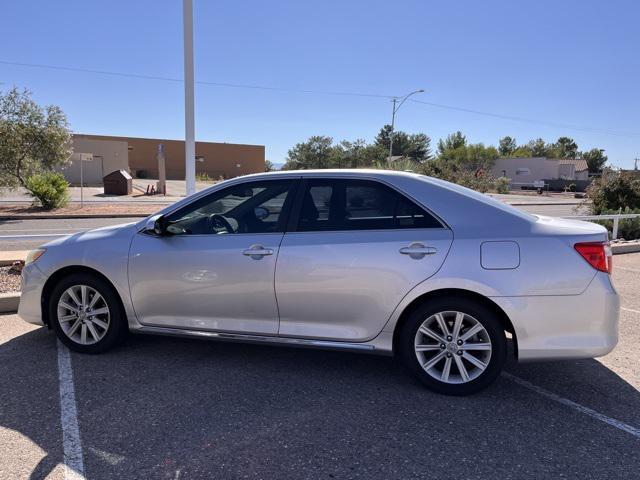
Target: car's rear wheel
(453,345)
(86,313)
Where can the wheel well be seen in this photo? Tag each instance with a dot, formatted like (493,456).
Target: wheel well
(57,276)
(455,292)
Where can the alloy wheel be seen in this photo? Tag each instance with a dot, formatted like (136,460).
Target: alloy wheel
(83,314)
(453,347)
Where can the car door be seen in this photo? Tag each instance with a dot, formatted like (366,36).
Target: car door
(356,249)
(214,269)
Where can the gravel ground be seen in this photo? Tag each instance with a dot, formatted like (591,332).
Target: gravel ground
(9,282)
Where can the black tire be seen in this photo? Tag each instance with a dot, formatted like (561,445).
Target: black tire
(117,325)
(483,315)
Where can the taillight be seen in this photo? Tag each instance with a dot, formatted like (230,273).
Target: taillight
(598,254)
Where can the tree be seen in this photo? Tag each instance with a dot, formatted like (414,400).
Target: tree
(613,192)
(268,166)
(33,139)
(596,159)
(359,154)
(538,148)
(416,146)
(317,152)
(507,146)
(453,141)
(564,147)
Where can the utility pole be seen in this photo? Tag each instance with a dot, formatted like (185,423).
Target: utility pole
(396,107)
(189,109)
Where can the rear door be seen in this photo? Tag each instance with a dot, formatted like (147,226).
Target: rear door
(353,250)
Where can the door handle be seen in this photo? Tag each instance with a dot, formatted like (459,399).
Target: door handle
(257,251)
(416,250)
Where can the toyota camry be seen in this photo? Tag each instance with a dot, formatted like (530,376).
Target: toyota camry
(360,260)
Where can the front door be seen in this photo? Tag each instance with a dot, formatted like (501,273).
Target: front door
(358,248)
(215,268)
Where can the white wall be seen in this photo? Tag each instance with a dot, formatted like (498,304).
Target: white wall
(525,170)
(108,156)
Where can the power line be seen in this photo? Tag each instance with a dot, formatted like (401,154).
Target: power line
(530,120)
(328,92)
(199,82)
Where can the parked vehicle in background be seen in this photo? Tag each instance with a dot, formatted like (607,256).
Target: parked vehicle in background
(362,260)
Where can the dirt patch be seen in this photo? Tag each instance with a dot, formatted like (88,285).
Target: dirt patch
(9,282)
(95,209)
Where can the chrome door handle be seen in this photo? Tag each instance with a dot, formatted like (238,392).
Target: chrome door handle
(257,252)
(417,250)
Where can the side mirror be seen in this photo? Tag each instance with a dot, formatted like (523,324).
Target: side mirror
(261,213)
(155,225)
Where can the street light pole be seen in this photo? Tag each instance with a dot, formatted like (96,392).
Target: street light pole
(396,107)
(189,110)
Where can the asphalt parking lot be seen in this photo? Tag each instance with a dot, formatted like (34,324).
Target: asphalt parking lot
(179,409)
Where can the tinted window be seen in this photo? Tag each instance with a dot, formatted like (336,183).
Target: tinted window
(247,208)
(358,205)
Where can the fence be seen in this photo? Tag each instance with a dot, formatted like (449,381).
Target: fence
(616,220)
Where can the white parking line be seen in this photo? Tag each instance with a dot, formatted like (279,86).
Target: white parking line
(576,406)
(72,447)
(630,310)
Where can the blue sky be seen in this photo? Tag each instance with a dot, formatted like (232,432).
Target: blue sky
(560,62)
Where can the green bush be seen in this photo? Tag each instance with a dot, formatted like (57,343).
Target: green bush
(628,228)
(614,192)
(50,189)
(203,177)
(502,185)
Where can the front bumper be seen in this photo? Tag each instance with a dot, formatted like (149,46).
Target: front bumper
(551,327)
(30,308)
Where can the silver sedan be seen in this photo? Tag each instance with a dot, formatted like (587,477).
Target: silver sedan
(361,260)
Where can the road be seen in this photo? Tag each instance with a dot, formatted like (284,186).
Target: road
(175,409)
(47,227)
(31,229)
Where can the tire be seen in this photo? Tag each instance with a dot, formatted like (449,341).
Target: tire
(425,350)
(104,322)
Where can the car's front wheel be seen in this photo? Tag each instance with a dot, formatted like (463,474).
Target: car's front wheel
(86,313)
(454,345)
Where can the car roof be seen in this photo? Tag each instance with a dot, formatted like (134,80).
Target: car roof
(461,208)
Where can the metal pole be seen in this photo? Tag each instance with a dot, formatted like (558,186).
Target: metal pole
(615,228)
(189,120)
(81,182)
(393,122)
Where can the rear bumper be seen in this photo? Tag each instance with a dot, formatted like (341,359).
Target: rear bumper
(30,308)
(569,326)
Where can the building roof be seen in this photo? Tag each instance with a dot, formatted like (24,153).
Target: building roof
(579,163)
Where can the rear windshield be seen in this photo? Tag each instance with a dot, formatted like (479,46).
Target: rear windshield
(480,197)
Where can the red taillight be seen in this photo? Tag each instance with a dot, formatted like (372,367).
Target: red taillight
(598,254)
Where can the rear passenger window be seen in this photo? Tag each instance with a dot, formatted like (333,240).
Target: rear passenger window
(358,205)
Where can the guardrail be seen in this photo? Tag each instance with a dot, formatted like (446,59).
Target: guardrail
(615,217)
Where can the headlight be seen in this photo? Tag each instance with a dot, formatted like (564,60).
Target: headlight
(33,255)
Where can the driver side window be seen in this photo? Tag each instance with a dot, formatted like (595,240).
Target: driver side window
(254,207)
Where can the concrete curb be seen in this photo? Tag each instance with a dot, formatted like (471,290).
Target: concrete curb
(21,216)
(631,247)
(9,302)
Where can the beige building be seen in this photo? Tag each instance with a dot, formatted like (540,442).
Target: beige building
(528,170)
(138,156)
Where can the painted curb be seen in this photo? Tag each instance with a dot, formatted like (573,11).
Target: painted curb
(625,248)
(9,302)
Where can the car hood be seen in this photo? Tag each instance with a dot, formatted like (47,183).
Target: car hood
(94,234)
